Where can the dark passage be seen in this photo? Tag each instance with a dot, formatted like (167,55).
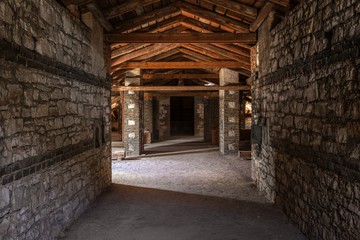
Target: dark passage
(182,116)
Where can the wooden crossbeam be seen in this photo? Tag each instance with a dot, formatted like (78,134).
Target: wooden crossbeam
(127,6)
(180,76)
(182,94)
(239,8)
(247,38)
(180,88)
(180,65)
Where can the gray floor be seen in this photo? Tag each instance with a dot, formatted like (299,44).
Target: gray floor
(199,195)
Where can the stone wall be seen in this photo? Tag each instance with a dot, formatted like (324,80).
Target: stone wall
(199,116)
(54,120)
(306,111)
(211,119)
(163,119)
(148,116)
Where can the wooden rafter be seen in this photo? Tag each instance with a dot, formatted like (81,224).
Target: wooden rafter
(239,8)
(247,38)
(147,51)
(189,9)
(199,54)
(199,26)
(268,7)
(127,26)
(128,6)
(244,60)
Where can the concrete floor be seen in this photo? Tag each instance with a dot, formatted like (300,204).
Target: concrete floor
(199,195)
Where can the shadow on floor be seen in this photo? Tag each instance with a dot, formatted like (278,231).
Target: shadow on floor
(135,213)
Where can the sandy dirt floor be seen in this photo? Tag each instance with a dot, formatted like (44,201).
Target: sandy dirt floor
(188,195)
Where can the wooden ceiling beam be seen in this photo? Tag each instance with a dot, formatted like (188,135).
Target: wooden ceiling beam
(239,8)
(160,49)
(152,50)
(125,7)
(182,94)
(232,48)
(194,52)
(164,25)
(242,59)
(210,16)
(246,38)
(127,49)
(199,26)
(180,76)
(77,2)
(163,55)
(149,17)
(180,65)
(180,88)
(265,11)
(283,3)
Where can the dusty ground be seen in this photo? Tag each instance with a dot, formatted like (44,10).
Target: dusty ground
(199,195)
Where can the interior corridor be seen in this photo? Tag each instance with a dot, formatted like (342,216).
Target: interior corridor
(183,189)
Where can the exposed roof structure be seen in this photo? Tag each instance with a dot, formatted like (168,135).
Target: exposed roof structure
(209,33)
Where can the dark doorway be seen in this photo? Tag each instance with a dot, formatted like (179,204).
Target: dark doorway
(182,116)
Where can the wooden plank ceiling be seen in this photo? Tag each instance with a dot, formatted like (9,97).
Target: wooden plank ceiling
(190,39)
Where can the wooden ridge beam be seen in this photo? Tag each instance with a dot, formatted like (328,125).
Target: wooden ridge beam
(180,65)
(247,38)
(180,88)
(210,16)
(265,11)
(179,76)
(239,8)
(128,6)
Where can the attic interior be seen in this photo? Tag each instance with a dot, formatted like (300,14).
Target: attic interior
(272,81)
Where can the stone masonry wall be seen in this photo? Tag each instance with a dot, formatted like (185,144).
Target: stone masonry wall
(163,120)
(54,120)
(306,111)
(199,116)
(148,115)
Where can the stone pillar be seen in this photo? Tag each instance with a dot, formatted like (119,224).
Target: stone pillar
(148,116)
(229,113)
(207,120)
(164,118)
(199,116)
(133,116)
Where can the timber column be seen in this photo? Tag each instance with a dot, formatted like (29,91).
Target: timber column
(133,116)
(229,113)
